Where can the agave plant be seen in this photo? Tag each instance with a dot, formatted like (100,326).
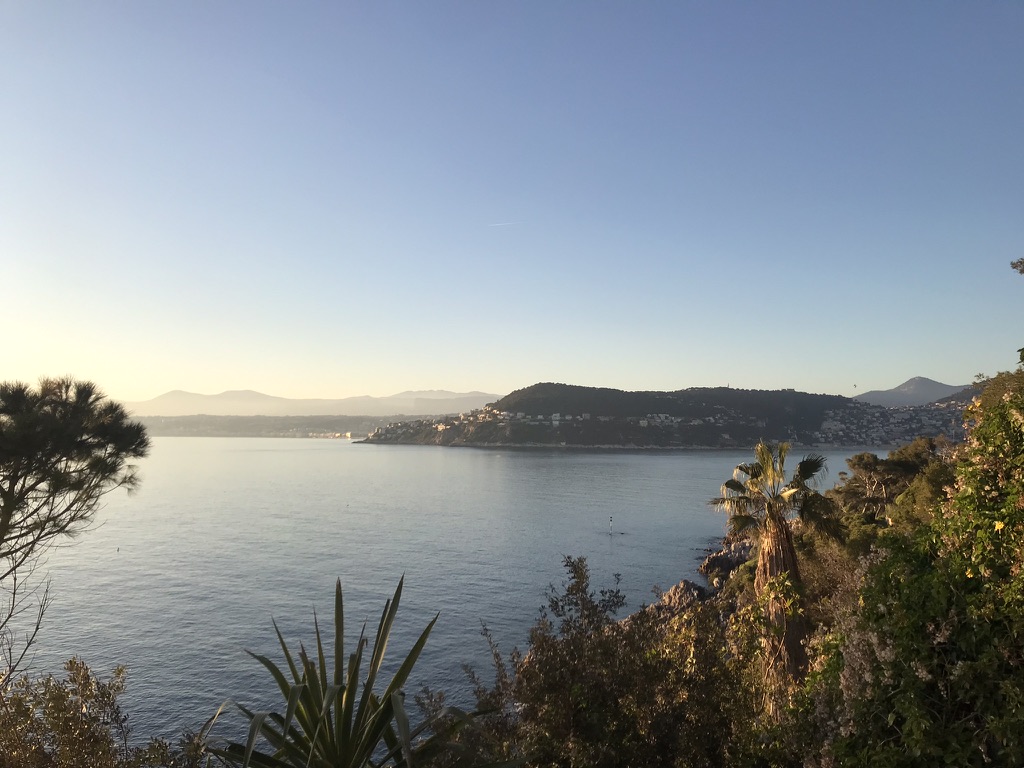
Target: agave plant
(335,719)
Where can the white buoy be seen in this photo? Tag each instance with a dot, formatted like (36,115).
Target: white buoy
(609,525)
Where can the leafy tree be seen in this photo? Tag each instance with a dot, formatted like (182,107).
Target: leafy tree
(565,689)
(655,688)
(902,488)
(77,722)
(63,446)
(761,500)
(925,493)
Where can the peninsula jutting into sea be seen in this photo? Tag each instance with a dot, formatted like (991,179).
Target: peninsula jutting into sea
(562,415)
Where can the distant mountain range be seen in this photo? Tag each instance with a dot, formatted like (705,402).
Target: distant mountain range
(249,403)
(915,391)
(544,398)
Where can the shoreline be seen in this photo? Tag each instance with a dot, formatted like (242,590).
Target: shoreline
(626,448)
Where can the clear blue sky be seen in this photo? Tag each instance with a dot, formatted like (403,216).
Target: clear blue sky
(332,199)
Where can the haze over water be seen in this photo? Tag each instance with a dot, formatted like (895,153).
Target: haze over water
(227,533)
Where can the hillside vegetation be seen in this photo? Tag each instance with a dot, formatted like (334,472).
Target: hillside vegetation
(771,406)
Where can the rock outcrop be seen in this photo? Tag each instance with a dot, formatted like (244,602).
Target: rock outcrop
(720,564)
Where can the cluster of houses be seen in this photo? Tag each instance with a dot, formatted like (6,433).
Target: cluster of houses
(862,424)
(488,414)
(855,424)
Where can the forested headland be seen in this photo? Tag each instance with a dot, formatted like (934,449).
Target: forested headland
(549,414)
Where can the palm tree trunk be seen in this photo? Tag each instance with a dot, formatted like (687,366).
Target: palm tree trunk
(785,654)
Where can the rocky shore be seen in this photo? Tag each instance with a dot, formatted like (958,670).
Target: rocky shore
(720,564)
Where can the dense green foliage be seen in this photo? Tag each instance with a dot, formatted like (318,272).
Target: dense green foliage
(599,692)
(901,491)
(657,688)
(933,662)
(77,723)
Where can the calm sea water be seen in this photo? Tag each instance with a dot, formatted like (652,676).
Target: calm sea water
(226,534)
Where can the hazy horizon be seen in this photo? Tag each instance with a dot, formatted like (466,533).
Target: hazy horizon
(445,394)
(339,200)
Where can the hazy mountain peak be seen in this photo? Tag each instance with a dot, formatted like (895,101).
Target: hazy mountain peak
(436,394)
(248,402)
(918,390)
(918,382)
(245,393)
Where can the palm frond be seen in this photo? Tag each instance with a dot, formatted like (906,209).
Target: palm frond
(820,514)
(781,452)
(739,524)
(736,505)
(767,454)
(732,485)
(749,471)
(808,471)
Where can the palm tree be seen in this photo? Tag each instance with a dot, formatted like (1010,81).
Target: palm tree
(761,502)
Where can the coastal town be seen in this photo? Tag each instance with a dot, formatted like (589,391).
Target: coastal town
(853,424)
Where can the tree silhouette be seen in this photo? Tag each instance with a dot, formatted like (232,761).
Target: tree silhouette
(63,446)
